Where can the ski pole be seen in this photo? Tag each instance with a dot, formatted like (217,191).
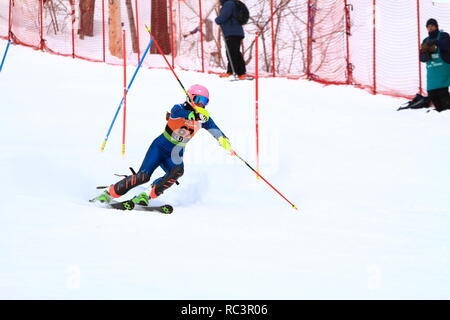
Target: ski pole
(229,57)
(230,60)
(128,88)
(257,100)
(170,67)
(259,175)
(4,55)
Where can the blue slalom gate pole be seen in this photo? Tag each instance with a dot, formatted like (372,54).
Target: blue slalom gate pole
(128,88)
(4,55)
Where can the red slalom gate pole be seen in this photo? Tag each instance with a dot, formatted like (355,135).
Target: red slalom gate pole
(187,94)
(259,175)
(257,101)
(170,67)
(124,92)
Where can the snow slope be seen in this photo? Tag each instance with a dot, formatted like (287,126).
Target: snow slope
(372,186)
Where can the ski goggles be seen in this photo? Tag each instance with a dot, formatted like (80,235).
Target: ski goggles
(201,100)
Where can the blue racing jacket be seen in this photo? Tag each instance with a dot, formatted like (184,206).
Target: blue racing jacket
(182,125)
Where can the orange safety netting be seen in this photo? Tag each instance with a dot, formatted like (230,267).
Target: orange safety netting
(372,44)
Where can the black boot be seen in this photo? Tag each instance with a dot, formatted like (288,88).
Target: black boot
(166,182)
(126,184)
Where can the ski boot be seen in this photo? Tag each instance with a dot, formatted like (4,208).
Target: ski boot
(141,199)
(225,75)
(161,184)
(105,197)
(245,77)
(126,184)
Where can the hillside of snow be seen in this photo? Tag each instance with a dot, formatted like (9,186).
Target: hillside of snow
(371,184)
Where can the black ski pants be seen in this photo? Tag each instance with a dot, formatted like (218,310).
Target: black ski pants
(440,98)
(234,47)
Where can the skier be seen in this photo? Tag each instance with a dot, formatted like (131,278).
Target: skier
(167,150)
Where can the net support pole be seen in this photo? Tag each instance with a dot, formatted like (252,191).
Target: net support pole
(41,24)
(308,41)
(137,30)
(9,37)
(103,31)
(172,33)
(257,100)
(273,37)
(72,11)
(9,20)
(347,42)
(418,46)
(124,91)
(374,53)
(201,35)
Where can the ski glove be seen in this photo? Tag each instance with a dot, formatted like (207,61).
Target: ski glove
(225,143)
(202,114)
(429,46)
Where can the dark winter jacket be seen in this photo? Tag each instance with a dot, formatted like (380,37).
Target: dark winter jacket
(443,44)
(227,19)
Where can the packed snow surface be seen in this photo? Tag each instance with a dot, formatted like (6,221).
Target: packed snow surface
(371,185)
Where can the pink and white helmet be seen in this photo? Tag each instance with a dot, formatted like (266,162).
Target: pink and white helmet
(199,94)
(198,90)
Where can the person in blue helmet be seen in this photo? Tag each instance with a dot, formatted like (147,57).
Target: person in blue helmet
(167,150)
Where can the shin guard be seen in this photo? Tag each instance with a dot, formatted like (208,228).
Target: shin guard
(126,184)
(166,182)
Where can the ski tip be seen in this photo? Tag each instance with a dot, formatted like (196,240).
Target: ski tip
(167,209)
(294,207)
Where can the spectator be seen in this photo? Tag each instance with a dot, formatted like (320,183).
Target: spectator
(233,33)
(435,51)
